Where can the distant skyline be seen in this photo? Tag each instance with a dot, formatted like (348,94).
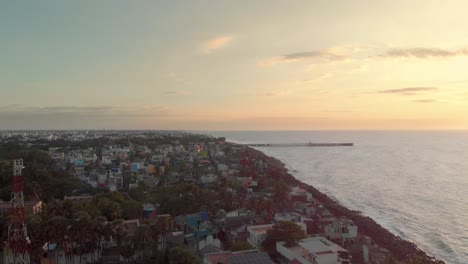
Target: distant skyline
(234,65)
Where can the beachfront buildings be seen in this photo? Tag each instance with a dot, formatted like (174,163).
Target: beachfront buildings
(314,250)
(258,233)
(240,257)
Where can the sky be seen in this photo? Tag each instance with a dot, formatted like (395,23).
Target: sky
(234,65)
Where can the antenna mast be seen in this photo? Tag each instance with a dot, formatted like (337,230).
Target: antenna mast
(17,231)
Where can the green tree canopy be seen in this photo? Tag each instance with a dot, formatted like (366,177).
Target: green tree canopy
(241,246)
(183,255)
(287,232)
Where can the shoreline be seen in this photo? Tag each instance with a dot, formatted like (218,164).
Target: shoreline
(400,248)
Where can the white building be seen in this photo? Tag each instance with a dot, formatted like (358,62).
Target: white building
(341,229)
(208,178)
(106,160)
(258,233)
(314,250)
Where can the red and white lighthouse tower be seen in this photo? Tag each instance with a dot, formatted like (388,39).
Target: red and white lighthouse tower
(17,232)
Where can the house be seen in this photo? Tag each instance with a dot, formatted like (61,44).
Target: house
(149,211)
(31,206)
(240,257)
(208,178)
(78,199)
(78,171)
(314,250)
(342,229)
(367,251)
(131,226)
(299,194)
(258,233)
(288,217)
(52,254)
(106,160)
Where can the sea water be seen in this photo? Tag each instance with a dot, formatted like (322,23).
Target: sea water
(414,183)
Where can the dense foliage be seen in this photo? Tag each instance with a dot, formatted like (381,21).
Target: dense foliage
(287,232)
(42,180)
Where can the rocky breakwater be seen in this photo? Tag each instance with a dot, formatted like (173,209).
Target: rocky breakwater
(401,249)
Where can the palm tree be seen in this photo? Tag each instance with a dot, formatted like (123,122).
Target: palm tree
(164,226)
(155,235)
(85,240)
(100,225)
(119,230)
(127,248)
(143,238)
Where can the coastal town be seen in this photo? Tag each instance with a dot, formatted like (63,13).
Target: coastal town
(176,197)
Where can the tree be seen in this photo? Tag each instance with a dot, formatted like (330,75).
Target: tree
(100,228)
(389,259)
(164,225)
(241,246)
(182,255)
(127,249)
(280,192)
(287,232)
(110,209)
(143,238)
(413,260)
(118,230)
(131,209)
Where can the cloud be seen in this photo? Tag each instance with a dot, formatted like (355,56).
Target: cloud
(315,78)
(82,111)
(324,55)
(216,43)
(271,93)
(423,53)
(338,53)
(425,101)
(20,117)
(181,93)
(177,78)
(409,90)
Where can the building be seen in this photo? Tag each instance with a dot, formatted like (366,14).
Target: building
(258,233)
(314,250)
(208,178)
(106,160)
(31,206)
(342,229)
(240,257)
(298,194)
(78,199)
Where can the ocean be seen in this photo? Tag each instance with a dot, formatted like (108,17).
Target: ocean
(414,183)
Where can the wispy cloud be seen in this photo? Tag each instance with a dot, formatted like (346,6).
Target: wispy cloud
(177,78)
(315,78)
(409,90)
(308,55)
(423,53)
(426,101)
(271,93)
(216,43)
(181,93)
(82,117)
(338,53)
(82,111)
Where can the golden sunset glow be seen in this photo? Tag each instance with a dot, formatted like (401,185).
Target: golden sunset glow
(275,65)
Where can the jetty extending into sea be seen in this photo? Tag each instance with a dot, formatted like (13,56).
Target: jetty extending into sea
(301,145)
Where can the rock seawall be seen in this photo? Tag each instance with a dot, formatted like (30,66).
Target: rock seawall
(400,248)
